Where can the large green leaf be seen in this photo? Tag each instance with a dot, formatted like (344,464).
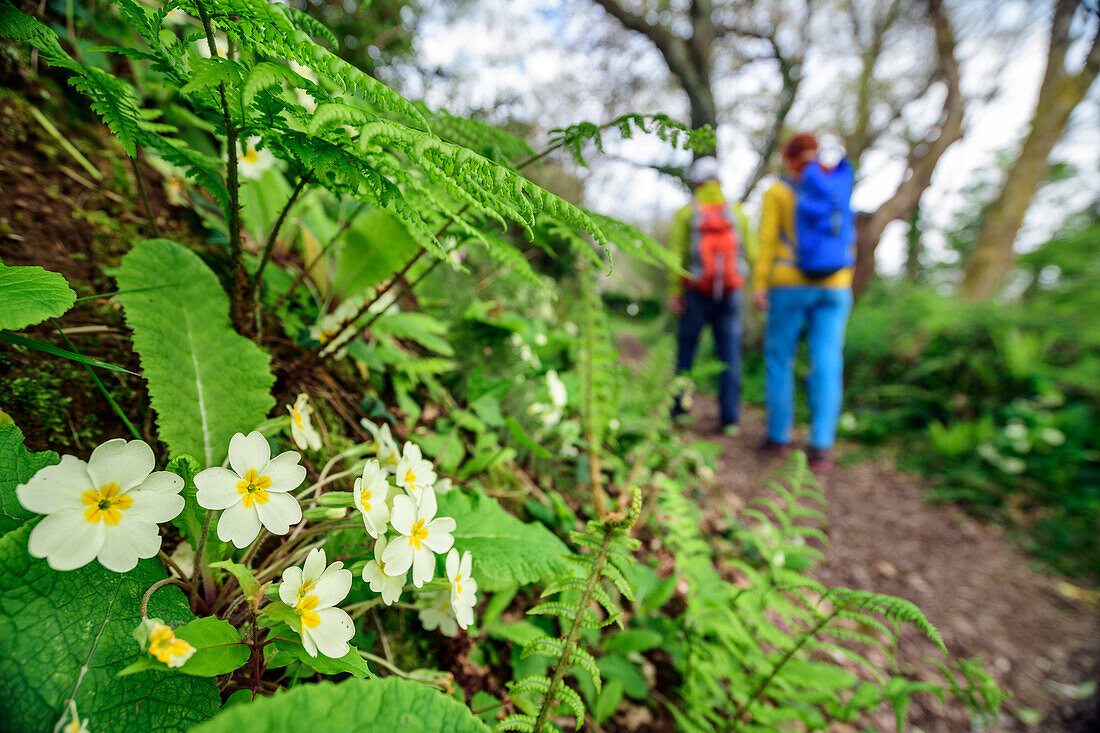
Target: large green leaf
(354,706)
(506,551)
(30,295)
(17,465)
(206,381)
(374,248)
(66,635)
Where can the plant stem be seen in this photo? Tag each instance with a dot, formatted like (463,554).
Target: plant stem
(153,589)
(257,277)
(172,564)
(144,196)
(240,278)
(199,560)
(98,383)
(333,240)
(574,630)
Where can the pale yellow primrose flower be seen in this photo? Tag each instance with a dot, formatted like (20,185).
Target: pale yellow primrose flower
(75,724)
(463,587)
(370,493)
(385,447)
(414,474)
(252,162)
(439,614)
(301,424)
(377,573)
(256,491)
(106,509)
(313,591)
(423,536)
(158,639)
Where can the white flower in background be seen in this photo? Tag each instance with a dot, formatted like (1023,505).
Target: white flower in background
(385,447)
(107,508)
(305,99)
(370,492)
(178,17)
(558,396)
(251,162)
(301,424)
(540,339)
(613,424)
(255,492)
(570,328)
(515,340)
(75,724)
(415,474)
(1052,436)
(439,615)
(157,638)
(329,330)
(443,486)
(463,587)
(1016,431)
(221,47)
(313,591)
(376,572)
(423,536)
(1013,465)
(184,558)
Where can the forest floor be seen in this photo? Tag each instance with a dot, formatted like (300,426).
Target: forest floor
(1039,635)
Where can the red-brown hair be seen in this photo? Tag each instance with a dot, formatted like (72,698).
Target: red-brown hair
(798,145)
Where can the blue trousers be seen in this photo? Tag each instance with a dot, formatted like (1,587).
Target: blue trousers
(724,317)
(823,312)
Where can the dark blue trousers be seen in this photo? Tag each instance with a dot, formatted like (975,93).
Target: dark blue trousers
(724,317)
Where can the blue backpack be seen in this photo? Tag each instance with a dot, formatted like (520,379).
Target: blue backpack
(824,223)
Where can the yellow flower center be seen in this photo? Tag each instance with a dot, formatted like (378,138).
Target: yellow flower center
(297,417)
(250,155)
(458,583)
(253,487)
(382,568)
(306,610)
(364,500)
(164,645)
(418,534)
(306,588)
(73,726)
(410,478)
(105,505)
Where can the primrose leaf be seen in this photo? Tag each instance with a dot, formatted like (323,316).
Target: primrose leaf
(30,295)
(17,465)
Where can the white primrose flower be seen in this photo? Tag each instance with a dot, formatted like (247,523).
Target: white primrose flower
(558,396)
(221,47)
(75,724)
(157,638)
(439,615)
(255,492)
(377,573)
(313,591)
(443,486)
(370,493)
(329,327)
(415,474)
(106,509)
(385,447)
(423,537)
(251,163)
(463,587)
(301,424)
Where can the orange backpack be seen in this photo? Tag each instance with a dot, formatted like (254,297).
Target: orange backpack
(713,261)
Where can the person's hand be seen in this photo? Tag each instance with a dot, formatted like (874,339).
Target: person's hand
(760,300)
(676,304)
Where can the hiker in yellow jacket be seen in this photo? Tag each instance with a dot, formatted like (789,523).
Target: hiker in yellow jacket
(704,237)
(795,301)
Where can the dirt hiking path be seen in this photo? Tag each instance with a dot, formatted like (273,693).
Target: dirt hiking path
(978,588)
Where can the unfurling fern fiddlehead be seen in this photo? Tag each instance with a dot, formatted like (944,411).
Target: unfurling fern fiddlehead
(609,548)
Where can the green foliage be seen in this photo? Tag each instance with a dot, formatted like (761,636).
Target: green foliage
(66,636)
(352,706)
(206,382)
(17,465)
(584,602)
(506,551)
(218,650)
(29,295)
(756,653)
(574,137)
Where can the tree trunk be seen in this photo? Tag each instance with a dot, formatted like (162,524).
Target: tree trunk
(923,158)
(994,253)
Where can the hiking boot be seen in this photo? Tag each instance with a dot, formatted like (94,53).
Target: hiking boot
(820,460)
(730,429)
(770,447)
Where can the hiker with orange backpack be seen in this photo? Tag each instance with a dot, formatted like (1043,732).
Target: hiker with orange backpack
(704,237)
(803,280)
